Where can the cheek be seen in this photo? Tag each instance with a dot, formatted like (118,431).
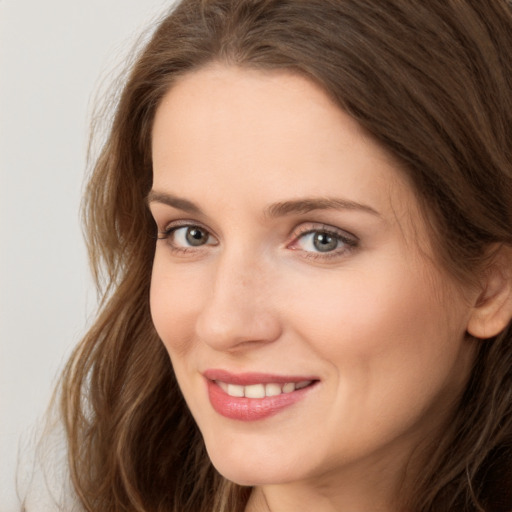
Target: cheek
(387,336)
(174,299)
(362,313)
(397,364)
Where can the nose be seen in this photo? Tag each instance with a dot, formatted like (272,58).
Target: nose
(239,311)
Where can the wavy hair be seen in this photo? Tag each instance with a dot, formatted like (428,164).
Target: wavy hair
(431,81)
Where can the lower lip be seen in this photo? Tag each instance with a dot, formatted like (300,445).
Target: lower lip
(251,409)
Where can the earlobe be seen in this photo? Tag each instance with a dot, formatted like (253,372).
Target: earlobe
(492,310)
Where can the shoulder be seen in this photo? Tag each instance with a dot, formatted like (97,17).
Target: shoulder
(43,478)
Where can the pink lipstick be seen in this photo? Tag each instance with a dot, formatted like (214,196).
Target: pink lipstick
(254,396)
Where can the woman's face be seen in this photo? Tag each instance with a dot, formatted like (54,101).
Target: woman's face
(294,287)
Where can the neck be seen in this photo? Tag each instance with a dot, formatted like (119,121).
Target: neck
(353,494)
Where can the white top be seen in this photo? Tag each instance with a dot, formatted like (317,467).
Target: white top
(43,477)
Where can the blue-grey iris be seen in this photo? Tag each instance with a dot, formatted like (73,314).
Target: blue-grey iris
(324,242)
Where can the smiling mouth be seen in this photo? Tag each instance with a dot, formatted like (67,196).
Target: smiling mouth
(256,401)
(262,390)
(255,396)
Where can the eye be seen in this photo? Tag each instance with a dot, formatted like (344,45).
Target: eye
(187,237)
(323,241)
(320,241)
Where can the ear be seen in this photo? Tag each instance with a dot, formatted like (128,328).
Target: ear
(492,310)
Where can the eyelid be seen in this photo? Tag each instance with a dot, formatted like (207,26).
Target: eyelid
(312,227)
(183,223)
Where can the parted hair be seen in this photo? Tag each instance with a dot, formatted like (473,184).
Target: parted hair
(431,82)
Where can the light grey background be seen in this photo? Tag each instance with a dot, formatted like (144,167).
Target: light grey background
(53,57)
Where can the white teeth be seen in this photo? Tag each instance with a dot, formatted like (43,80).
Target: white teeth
(289,387)
(272,389)
(255,391)
(262,390)
(235,390)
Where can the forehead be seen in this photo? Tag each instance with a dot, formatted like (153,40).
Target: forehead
(264,134)
(253,107)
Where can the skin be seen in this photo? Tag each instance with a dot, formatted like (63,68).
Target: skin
(375,320)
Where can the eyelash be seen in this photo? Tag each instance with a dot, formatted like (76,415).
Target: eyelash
(349,242)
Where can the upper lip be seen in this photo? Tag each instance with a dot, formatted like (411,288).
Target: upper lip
(249,378)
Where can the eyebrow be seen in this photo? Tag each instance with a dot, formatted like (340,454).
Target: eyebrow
(306,205)
(279,209)
(174,201)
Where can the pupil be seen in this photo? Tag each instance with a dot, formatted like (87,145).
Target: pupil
(196,236)
(324,242)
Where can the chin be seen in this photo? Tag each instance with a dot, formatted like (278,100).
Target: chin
(251,471)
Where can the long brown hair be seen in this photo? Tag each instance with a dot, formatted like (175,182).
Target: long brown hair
(431,81)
